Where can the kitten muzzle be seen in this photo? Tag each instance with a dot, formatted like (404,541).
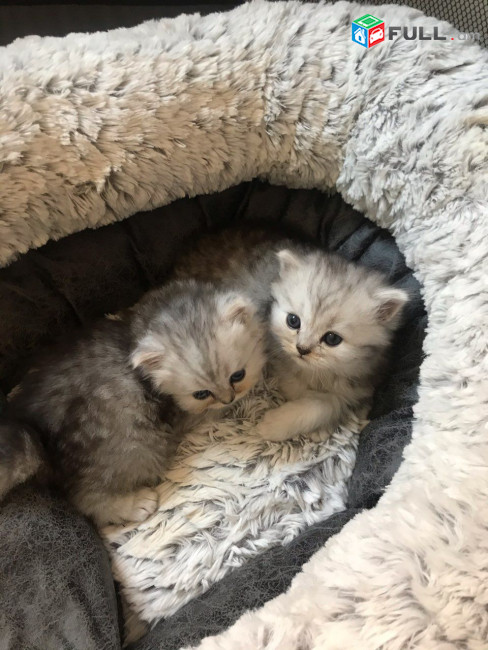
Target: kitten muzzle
(303,351)
(227,398)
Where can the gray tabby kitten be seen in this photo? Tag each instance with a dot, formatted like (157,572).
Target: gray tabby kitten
(108,406)
(330,321)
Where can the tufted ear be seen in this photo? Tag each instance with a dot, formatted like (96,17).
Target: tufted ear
(148,354)
(239,310)
(390,302)
(288,260)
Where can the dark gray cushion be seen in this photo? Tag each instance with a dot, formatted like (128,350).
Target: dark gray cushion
(56,589)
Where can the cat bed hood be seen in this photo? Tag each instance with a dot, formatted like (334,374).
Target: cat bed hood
(97,127)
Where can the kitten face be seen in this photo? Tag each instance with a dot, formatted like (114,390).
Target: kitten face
(203,347)
(331,315)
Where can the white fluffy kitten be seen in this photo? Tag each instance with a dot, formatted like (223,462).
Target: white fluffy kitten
(331,322)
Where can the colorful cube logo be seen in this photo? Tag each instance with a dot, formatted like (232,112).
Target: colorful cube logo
(368,30)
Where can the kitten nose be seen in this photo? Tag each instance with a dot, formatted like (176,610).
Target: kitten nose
(228,399)
(303,351)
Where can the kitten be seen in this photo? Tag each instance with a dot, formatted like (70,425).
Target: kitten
(330,322)
(108,407)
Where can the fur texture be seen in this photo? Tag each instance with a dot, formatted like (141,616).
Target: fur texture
(227,496)
(195,105)
(21,455)
(107,431)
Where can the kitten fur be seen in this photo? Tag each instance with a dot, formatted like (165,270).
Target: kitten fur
(109,406)
(326,384)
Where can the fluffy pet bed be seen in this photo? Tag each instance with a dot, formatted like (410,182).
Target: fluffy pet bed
(99,127)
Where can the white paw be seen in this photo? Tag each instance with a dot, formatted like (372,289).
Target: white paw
(144,503)
(272,427)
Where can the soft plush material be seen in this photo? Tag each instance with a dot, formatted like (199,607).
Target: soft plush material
(98,127)
(227,497)
(56,589)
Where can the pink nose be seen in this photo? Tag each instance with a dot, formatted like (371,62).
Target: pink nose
(227,397)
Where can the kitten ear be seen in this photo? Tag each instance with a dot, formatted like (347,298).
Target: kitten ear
(239,310)
(390,302)
(148,354)
(288,260)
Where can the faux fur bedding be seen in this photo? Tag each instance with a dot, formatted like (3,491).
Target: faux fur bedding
(227,497)
(140,117)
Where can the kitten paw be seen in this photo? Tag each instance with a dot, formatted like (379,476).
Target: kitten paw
(272,428)
(144,503)
(116,509)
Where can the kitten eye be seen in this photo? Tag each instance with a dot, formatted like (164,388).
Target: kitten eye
(201,394)
(237,376)
(293,321)
(331,338)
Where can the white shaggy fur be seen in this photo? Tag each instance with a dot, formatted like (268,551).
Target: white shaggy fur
(228,496)
(96,127)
